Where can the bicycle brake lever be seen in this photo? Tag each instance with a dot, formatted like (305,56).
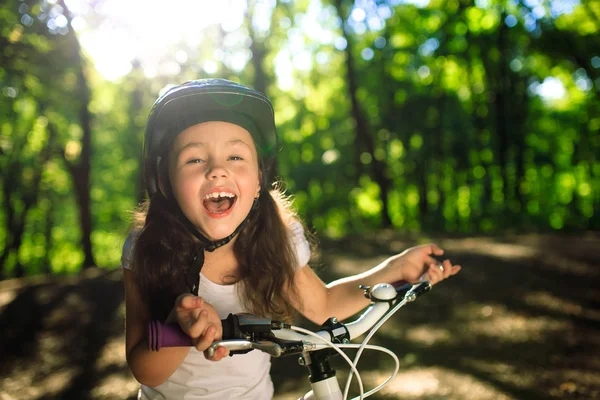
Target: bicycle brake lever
(266,346)
(235,346)
(244,346)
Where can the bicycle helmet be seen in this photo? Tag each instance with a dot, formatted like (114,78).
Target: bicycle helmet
(208,100)
(200,101)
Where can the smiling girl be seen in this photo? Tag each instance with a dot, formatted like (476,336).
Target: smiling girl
(216,238)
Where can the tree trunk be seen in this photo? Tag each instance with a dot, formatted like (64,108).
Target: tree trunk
(258,52)
(501,111)
(438,158)
(16,217)
(258,56)
(48,224)
(363,133)
(80,171)
(135,129)
(518,116)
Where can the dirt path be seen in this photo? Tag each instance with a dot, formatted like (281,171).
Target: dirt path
(522,321)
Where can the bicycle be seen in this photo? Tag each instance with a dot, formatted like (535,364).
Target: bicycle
(246,332)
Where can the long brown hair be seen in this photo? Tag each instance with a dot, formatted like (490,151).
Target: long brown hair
(264,250)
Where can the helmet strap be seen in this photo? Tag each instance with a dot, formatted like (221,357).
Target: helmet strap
(197,262)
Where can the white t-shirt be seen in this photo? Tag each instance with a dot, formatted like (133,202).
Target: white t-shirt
(243,376)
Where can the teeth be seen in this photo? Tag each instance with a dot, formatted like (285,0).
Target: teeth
(216,195)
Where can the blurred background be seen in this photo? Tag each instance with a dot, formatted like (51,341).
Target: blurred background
(472,123)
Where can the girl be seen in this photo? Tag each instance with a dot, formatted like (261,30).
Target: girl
(214,239)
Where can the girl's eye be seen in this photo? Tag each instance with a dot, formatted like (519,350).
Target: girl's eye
(195,161)
(235,158)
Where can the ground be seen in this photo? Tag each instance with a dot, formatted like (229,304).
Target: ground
(521,321)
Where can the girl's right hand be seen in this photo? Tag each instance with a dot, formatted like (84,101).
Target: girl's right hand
(200,321)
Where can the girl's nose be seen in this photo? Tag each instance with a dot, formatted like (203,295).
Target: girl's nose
(216,172)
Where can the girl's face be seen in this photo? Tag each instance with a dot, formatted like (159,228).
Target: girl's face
(214,175)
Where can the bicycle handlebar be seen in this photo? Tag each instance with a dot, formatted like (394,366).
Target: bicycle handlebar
(235,326)
(245,332)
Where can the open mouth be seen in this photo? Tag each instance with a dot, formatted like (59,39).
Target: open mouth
(219,203)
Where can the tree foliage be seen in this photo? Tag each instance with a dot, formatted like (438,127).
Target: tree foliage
(454,116)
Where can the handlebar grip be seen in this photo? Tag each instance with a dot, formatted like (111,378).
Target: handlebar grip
(166,335)
(417,290)
(170,335)
(229,327)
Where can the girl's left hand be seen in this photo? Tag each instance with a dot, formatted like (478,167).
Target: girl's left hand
(419,261)
(200,321)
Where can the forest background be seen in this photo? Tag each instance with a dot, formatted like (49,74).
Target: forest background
(420,116)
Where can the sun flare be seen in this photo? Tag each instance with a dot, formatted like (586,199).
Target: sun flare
(155,33)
